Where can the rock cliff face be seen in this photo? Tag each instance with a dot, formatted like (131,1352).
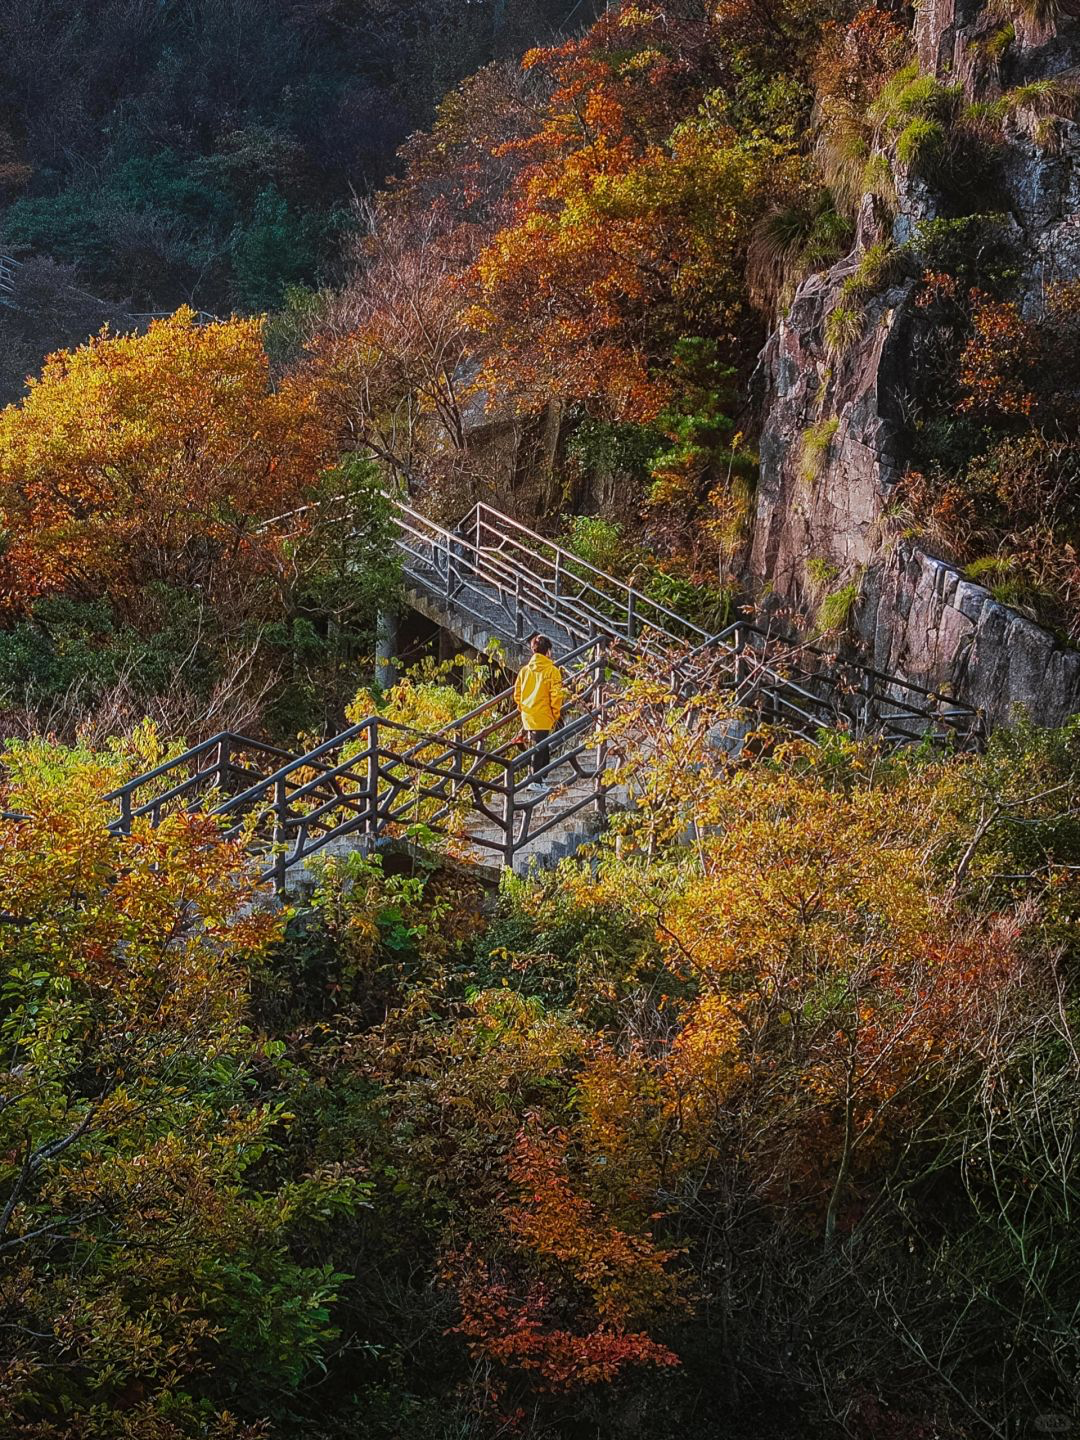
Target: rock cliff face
(916,614)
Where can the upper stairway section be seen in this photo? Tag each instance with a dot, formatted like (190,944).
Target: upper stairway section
(492,576)
(494,572)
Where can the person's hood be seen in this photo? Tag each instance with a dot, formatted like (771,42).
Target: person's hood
(540,662)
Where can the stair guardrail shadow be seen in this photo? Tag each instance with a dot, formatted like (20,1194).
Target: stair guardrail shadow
(9,275)
(8,269)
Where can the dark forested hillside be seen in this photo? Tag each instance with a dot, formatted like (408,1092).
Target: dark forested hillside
(206,150)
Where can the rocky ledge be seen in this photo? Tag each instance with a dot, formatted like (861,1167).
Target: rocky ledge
(836,514)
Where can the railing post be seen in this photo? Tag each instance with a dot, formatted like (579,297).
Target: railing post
(224,763)
(281,815)
(371,785)
(599,704)
(455,764)
(509,818)
(631,616)
(867,708)
(447,545)
(125,813)
(558,573)
(519,618)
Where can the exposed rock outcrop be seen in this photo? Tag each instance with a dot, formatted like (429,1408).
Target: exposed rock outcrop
(834,511)
(919,617)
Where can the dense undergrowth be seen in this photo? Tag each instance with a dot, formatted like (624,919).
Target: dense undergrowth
(758,1124)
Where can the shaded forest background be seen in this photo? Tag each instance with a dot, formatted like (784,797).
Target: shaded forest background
(209,153)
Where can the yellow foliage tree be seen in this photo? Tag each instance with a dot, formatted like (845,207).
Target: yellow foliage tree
(153,457)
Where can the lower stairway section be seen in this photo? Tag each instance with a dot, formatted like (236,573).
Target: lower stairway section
(470,783)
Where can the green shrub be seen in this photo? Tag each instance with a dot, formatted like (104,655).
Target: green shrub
(815,444)
(696,424)
(601,543)
(65,226)
(608,447)
(835,609)
(151,220)
(288,328)
(821,571)
(886,107)
(878,266)
(1035,95)
(910,95)
(976,249)
(947,442)
(920,143)
(995,46)
(710,606)
(565,944)
(275,251)
(918,112)
(921,96)
(1046,99)
(75,652)
(1005,578)
(843,326)
(792,243)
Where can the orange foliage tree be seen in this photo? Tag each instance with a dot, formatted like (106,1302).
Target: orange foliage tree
(634,212)
(575,1257)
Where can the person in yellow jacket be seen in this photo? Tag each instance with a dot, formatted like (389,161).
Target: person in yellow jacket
(538,695)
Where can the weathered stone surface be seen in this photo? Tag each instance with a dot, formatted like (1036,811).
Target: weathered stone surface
(917,615)
(920,618)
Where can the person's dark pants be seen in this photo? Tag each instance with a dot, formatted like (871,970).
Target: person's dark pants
(542,758)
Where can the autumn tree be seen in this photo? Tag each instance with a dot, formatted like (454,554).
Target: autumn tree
(643,184)
(152,458)
(390,359)
(149,1283)
(154,491)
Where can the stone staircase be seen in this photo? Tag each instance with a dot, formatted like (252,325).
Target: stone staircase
(492,578)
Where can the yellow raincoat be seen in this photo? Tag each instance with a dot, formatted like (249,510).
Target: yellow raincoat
(539,693)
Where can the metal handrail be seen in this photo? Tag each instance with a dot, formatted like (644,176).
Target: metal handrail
(306,801)
(742,645)
(442,773)
(569,563)
(433,763)
(459,557)
(462,560)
